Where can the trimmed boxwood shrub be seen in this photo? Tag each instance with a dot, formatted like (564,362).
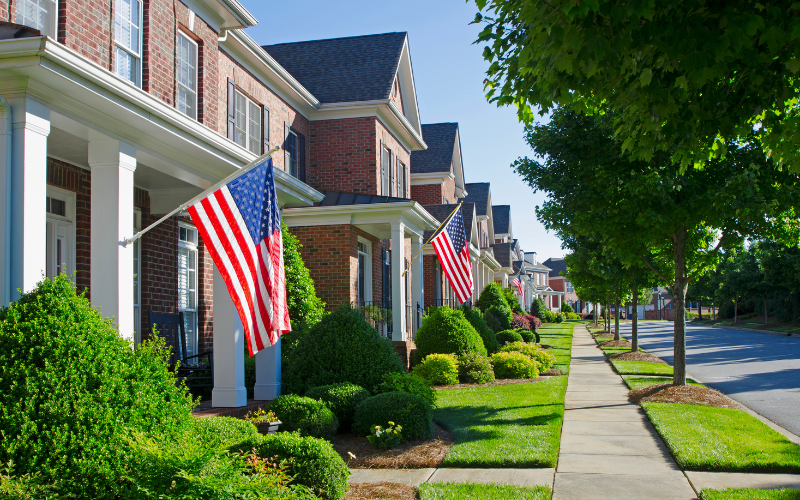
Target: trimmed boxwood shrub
(341,399)
(493,323)
(447,331)
(474,368)
(313,462)
(438,369)
(487,334)
(340,348)
(222,431)
(308,416)
(543,359)
(513,365)
(410,383)
(507,336)
(528,335)
(72,389)
(492,296)
(411,412)
(501,316)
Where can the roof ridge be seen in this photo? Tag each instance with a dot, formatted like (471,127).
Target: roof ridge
(337,38)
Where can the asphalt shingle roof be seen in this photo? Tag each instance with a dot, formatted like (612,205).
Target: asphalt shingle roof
(440,212)
(358,68)
(557,265)
(502,252)
(341,198)
(478,193)
(441,141)
(501,215)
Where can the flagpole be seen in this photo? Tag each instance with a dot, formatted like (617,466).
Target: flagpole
(250,166)
(429,239)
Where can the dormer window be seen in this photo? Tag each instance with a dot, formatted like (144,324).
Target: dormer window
(127,40)
(38,14)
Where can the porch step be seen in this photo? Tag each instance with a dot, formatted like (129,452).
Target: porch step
(206,410)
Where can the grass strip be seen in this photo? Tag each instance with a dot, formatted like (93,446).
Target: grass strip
(559,337)
(749,494)
(475,491)
(503,426)
(705,438)
(639,382)
(640,368)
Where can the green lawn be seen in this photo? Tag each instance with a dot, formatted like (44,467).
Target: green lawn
(721,439)
(559,336)
(610,351)
(503,426)
(474,491)
(749,494)
(640,368)
(639,382)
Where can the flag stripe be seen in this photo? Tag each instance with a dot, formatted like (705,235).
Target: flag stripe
(455,263)
(443,247)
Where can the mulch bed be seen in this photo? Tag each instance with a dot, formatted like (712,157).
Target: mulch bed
(552,372)
(688,394)
(502,381)
(382,491)
(602,333)
(615,343)
(638,356)
(418,454)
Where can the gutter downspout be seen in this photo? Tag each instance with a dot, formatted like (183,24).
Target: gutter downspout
(5,292)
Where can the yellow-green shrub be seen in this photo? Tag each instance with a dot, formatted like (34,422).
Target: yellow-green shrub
(438,369)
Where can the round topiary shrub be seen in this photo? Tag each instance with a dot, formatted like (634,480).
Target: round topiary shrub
(528,335)
(507,336)
(411,412)
(309,416)
(513,365)
(500,314)
(493,323)
(410,383)
(438,369)
(487,334)
(543,359)
(311,461)
(474,368)
(72,390)
(447,331)
(340,348)
(341,399)
(520,322)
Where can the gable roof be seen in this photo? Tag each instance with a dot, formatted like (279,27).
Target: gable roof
(479,195)
(350,69)
(557,265)
(501,214)
(502,252)
(441,141)
(342,198)
(440,212)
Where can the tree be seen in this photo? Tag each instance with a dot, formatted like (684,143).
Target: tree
(653,212)
(510,295)
(685,77)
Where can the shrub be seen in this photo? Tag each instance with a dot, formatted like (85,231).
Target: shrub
(538,308)
(340,348)
(493,323)
(341,399)
(535,322)
(508,336)
(566,308)
(474,369)
(492,296)
(510,294)
(487,334)
(560,317)
(71,389)
(301,297)
(520,322)
(513,365)
(447,331)
(543,359)
(528,335)
(222,431)
(572,315)
(312,461)
(438,369)
(503,318)
(410,383)
(411,412)
(309,416)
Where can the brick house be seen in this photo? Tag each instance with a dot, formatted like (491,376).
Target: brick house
(488,267)
(559,282)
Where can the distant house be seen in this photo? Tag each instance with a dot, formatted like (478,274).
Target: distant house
(559,282)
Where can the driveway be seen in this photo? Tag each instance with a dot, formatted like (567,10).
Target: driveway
(760,370)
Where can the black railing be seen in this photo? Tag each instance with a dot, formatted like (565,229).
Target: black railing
(378,313)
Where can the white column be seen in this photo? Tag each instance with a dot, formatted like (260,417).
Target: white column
(417,280)
(229,390)
(25,202)
(268,373)
(398,283)
(475,281)
(111,286)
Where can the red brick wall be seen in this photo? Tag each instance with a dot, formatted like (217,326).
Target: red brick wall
(427,194)
(449,190)
(205,299)
(158,48)
(159,267)
(430,281)
(391,142)
(85,27)
(5,15)
(343,156)
(208,64)
(329,255)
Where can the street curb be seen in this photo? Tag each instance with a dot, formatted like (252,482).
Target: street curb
(777,334)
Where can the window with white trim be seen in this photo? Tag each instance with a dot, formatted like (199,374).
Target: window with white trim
(247,125)
(364,271)
(38,14)
(187,283)
(60,232)
(128,40)
(186,49)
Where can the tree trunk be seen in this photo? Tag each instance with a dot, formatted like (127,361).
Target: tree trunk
(608,314)
(596,312)
(635,321)
(766,318)
(616,320)
(735,311)
(679,290)
(713,310)
(700,309)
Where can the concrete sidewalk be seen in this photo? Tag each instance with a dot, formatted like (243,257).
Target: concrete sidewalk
(608,447)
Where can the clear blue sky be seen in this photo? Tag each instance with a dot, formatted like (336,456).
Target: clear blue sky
(448,72)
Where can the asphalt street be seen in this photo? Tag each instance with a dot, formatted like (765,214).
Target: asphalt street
(760,370)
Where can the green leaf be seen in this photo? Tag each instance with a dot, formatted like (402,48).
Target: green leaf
(645,77)
(793,65)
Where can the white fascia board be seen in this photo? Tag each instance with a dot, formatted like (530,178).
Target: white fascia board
(458,164)
(221,15)
(410,213)
(421,179)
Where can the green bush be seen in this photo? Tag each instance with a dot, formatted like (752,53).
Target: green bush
(528,335)
(543,359)
(507,336)
(222,431)
(538,308)
(407,410)
(492,296)
(501,316)
(72,389)
(309,416)
(438,369)
(487,334)
(474,368)
(312,462)
(513,365)
(447,331)
(341,399)
(340,348)
(566,308)
(410,383)
(510,294)
(493,323)
(560,317)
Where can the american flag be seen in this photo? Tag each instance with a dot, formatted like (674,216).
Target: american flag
(453,251)
(241,226)
(517,282)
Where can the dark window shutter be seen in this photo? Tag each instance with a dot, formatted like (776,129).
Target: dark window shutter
(265,132)
(301,153)
(286,165)
(383,172)
(392,177)
(231,108)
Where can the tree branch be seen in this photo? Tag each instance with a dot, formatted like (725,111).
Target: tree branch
(691,278)
(651,266)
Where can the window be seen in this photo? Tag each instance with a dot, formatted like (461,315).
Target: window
(364,271)
(187,283)
(60,232)
(38,14)
(292,155)
(247,130)
(187,75)
(401,180)
(127,40)
(569,287)
(384,171)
